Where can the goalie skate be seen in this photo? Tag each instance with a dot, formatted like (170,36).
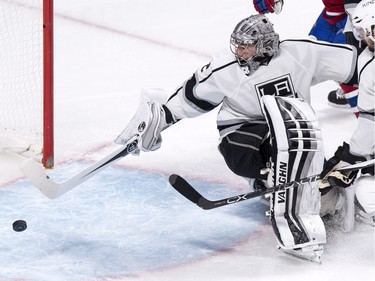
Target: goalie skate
(310,253)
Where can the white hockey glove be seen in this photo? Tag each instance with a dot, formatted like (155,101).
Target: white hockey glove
(330,177)
(146,125)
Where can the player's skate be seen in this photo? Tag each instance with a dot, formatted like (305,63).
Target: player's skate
(337,98)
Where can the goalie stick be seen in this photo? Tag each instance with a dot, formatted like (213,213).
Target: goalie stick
(35,172)
(188,191)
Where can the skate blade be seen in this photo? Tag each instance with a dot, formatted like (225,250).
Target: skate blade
(312,253)
(340,106)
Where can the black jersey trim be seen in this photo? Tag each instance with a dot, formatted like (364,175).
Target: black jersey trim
(192,83)
(363,68)
(342,46)
(217,69)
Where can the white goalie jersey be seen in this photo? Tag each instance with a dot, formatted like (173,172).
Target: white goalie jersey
(297,66)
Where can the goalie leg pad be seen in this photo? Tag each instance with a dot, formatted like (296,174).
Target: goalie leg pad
(297,152)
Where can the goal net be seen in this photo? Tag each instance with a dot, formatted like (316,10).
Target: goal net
(26,80)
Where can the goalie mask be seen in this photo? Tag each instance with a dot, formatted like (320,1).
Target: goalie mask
(253,41)
(363,20)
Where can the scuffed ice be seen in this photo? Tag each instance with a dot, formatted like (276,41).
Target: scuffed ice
(119,223)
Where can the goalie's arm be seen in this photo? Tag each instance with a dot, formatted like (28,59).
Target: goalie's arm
(197,95)
(202,92)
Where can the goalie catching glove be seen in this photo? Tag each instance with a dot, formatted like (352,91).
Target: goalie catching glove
(331,178)
(146,125)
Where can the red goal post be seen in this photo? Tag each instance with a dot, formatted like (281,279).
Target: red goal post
(26,78)
(48,135)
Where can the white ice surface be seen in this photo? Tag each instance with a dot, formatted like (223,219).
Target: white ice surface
(105,53)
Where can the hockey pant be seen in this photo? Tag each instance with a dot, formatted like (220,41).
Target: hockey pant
(247,150)
(297,153)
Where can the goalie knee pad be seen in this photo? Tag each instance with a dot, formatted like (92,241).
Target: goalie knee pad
(297,153)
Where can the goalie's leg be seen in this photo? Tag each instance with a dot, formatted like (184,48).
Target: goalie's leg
(297,153)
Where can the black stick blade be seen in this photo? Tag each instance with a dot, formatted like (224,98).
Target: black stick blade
(184,188)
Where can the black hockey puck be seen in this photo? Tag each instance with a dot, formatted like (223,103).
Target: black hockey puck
(19,225)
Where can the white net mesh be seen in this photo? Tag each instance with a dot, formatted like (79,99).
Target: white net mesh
(21,74)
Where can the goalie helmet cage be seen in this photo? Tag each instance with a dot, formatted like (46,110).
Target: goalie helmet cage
(26,78)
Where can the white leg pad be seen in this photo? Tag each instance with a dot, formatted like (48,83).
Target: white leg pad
(298,152)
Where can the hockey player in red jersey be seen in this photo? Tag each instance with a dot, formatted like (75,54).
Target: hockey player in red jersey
(329,26)
(362,143)
(332,26)
(268,131)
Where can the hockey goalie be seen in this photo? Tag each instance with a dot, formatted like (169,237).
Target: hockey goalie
(268,131)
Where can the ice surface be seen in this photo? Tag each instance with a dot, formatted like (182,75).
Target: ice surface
(115,225)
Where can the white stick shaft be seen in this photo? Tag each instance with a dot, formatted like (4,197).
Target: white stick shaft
(35,172)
